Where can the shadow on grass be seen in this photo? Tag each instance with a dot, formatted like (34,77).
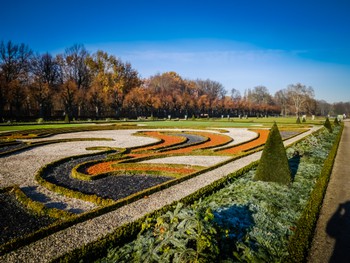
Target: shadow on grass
(233,222)
(294,164)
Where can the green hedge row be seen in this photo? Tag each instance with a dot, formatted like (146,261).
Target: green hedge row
(300,241)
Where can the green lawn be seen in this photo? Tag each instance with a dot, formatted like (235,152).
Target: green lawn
(198,123)
(25,127)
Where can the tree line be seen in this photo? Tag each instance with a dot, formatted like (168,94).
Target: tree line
(83,85)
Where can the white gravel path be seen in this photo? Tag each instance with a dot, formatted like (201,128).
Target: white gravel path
(239,135)
(190,160)
(59,243)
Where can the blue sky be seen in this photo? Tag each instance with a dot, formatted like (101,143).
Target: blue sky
(240,43)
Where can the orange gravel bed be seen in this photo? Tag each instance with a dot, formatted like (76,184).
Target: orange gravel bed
(106,167)
(214,141)
(168,140)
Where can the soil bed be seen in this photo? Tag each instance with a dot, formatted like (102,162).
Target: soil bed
(12,147)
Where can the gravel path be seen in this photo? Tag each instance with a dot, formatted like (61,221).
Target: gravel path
(331,242)
(239,135)
(83,233)
(190,160)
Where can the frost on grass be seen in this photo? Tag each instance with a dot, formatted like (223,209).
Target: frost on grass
(252,220)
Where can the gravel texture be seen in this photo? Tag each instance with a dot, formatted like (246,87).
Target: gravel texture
(83,233)
(190,160)
(113,187)
(15,221)
(7,148)
(239,135)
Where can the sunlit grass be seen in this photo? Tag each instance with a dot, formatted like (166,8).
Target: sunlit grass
(198,123)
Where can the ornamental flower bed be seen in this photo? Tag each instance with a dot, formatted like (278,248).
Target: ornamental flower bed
(167,140)
(245,221)
(214,140)
(132,168)
(263,134)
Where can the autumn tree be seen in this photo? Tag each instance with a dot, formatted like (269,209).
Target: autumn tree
(14,75)
(69,96)
(211,92)
(113,78)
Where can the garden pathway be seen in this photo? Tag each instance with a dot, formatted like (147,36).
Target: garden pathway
(331,242)
(58,244)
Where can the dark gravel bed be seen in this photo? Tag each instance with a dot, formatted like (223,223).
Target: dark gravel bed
(191,139)
(16,221)
(12,147)
(113,187)
(288,134)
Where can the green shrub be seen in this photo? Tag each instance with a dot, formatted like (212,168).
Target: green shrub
(336,121)
(66,118)
(300,242)
(40,120)
(298,120)
(273,166)
(328,125)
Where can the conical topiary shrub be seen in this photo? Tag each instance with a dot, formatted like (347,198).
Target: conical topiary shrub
(273,165)
(298,120)
(66,119)
(336,121)
(328,125)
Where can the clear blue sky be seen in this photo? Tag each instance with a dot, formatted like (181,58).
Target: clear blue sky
(240,43)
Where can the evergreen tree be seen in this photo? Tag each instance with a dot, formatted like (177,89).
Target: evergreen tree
(298,120)
(336,121)
(273,165)
(66,119)
(328,125)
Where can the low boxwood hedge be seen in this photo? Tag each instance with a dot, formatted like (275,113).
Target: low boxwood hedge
(301,241)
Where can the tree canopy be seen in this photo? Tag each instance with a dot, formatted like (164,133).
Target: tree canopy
(98,85)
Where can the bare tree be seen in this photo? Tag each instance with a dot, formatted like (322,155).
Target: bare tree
(323,107)
(281,98)
(45,70)
(298,95)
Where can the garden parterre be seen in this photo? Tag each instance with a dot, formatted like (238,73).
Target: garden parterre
(16,168)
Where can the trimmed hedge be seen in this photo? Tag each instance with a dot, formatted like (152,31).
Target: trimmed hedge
(273,166)
(300,242)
